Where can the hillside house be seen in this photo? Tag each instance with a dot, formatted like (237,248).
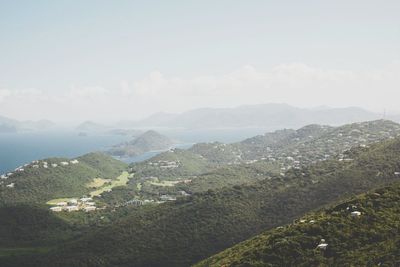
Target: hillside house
(86,199)
(56,209)
(167,198)
(73,201)
(89,208)
(355,213)
(183,193)
(10,185)
(135,202)
(71,208)
(322,245)
(75,161)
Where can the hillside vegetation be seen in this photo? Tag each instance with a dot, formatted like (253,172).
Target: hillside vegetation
(47,179)
(188,230)
(215,165)
(146,142)
(370,239)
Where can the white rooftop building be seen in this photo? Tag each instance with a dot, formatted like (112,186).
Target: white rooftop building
(71,208)
(355,213)
(90,208)
(56,209)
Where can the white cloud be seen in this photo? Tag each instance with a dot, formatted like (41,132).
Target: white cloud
(3,94)
(295,83)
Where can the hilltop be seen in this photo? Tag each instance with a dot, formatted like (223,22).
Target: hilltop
(185,231)
(269,115)
(362,231)
(90,126)
(146,142)
(42,180)
(8,125)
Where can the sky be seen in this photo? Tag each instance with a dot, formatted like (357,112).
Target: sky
(70,60)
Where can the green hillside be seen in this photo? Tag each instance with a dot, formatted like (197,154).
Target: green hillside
(371,239)
(26,225)
(216,165)
(148,141)
(47,179)
(188,230)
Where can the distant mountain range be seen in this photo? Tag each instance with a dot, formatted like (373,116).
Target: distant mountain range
(148,141)
(8,125)
(272,116)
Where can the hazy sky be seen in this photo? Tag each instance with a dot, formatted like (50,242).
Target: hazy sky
(110,60)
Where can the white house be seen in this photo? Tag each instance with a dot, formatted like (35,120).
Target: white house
(73,201)
(56,209)
(90,208)
(10,185)
(86,199)
(322,245)
(71,208)
(355,213)
(64,163)
(63,203)
(54,165)
(75,161)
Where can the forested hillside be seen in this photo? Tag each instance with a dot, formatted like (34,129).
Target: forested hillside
(148,141)
(363,231)
(183,232)
(42,180)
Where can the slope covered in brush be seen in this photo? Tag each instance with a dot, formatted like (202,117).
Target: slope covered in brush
(363,231)
(40,181)
(188,230)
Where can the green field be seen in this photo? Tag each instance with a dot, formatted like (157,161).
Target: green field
(120,181)
(98,182)
(54,202)
(165,183)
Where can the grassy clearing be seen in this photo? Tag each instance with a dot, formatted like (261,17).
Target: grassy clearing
(120,181)
(165,183)
(56,200)
(98,182)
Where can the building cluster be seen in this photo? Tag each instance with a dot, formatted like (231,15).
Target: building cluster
(165,164)
(333,143)
(164,198)
(82,204)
